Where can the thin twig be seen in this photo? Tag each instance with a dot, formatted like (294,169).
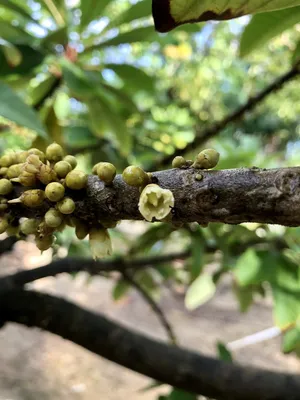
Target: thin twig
(154,306)
(202,137)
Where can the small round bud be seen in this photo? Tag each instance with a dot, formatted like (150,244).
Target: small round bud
(46,174)
(198,177)
(66,206)
(54,152)
(55,191)
(26,179)
(178,162)
(29,226)
(32,164)
(32,198)
(21,156)
(8,159)
(3,225)
(38,153)
(5,187)
(135,176)
(45,243)
(14,171)
(95,167)
(76,180)
(81,230)
(206,159)
(62,168)
(3,171)
(71,160)
(53,218)
(106,172)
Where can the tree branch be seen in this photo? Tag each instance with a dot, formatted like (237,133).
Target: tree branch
(70,265)
(154,306)
(202,136)
(169,364)
(226,196)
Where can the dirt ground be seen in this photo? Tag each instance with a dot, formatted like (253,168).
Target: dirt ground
(35,365)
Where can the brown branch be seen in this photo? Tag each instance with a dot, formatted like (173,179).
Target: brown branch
(175,366)
(154,306)
(202,136)
(71,265)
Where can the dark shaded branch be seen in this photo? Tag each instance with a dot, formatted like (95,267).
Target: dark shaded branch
(71,265)
(169,364)
(227,196)
(203,136)
(154,306)
(7,244)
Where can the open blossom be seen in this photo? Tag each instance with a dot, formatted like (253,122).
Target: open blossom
(155,202)
(100,243)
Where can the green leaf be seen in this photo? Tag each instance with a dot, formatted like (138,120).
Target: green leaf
(31,58)
(15,110)
(170,13)
(199,292)
(17,9)
(77,80)
(177,394)
(248,268)
(77,137)
(265,26)
(223,352)
(244,296)
(296,53)
(120,289)
(91,10)
(37,91)
(291,340)
(135,79)
(143,34)
(142,9)
(14,34)
(196,263)
(12,54)
(56,9)
(60,36)
(287,306)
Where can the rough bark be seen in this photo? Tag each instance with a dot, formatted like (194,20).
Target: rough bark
(176,366)
(227,196)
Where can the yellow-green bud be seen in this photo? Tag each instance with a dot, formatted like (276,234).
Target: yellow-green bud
(71,160)
(76,180)
(38,153)
(5,186)
(21,156)
(53,218)
(95,167)
(32,164)
(29,226)
(81,230)
(32,198)
(14,171)
(45,243)
(66,206)
(3,225)
(8,159)
(206,159)
(3,171)
(106,172)
(12,230)
(46,174)
(26,179)
(55,191)
(62,168)
(54,152)
(178,162)
(135,176)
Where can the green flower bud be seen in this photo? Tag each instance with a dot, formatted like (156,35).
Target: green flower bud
(8,159)
(45,243)
(21,156)
(206,159)
(55,191)
(3,171)
(3,224)
(62,168)
(14,171)
(53,218)
(32,164)
(31,198)
(46,174)
(100,243)
(178,162)
(66,206)
(106,172)
(71,160)
(29,226)
(95,167)
(54,152)
(38,153)
(135,176)
(81,230)
(5,186)
(76,180)
(26,179)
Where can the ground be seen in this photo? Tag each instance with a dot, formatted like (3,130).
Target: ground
(35,365)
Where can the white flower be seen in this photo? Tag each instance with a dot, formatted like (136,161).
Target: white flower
(155,202)
(100,243)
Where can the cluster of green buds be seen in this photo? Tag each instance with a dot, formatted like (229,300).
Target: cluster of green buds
(46,180)
(206,159)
